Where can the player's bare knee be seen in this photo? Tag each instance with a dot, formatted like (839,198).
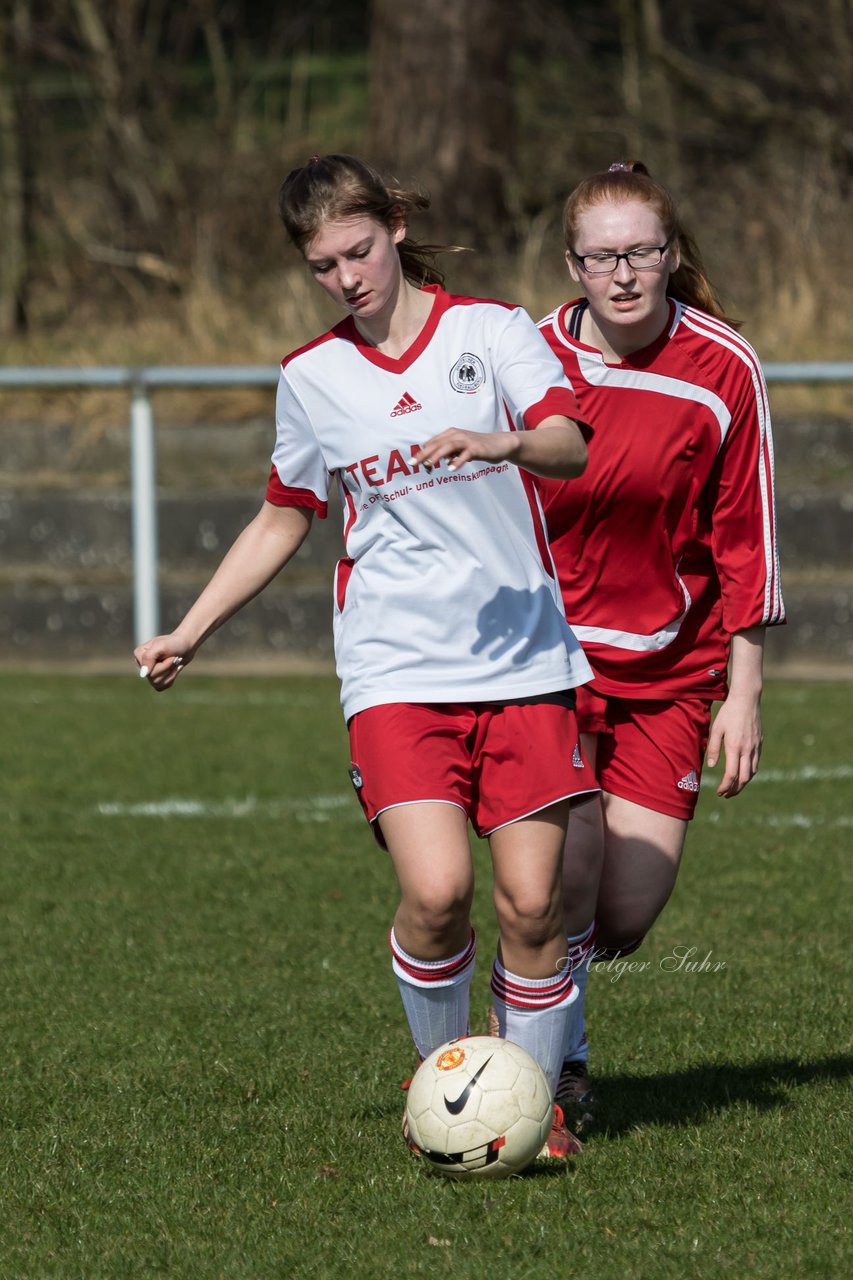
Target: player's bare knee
(438,914)
(528,920)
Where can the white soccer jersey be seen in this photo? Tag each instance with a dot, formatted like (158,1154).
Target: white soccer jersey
(448,591)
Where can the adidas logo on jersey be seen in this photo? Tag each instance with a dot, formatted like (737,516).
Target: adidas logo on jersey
(577,758)
(406,404)
(689,782)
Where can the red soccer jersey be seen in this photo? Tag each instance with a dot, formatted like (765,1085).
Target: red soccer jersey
(667,543)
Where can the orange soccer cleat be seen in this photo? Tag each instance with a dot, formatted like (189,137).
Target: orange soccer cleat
(561,1143)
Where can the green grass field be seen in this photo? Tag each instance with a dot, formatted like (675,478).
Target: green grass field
(202,1043)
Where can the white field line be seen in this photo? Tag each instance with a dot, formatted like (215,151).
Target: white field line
(308,809)
(798,821)
(806,821)
(323,808)
(806,773)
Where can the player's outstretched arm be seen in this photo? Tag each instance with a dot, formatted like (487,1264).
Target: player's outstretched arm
(736,730)
(257,555)
(555,449)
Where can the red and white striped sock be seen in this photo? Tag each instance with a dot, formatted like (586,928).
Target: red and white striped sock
(533,1012)
(435,994)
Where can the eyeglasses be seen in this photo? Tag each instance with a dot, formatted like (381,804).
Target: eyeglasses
(604,264)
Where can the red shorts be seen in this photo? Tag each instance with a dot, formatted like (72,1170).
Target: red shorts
(649,751)
(498,761)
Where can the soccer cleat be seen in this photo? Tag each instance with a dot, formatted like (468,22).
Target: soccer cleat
(575,1097)
(561,1143)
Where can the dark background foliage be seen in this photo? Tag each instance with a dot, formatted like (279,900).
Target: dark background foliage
(142,143)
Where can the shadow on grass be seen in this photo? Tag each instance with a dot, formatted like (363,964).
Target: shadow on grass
(691,1096)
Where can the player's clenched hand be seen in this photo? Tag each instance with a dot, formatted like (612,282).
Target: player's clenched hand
(160,660)
(456,447)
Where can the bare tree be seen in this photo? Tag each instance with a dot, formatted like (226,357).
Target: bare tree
(129,151)
(141,140)
(441,106)
(16,169)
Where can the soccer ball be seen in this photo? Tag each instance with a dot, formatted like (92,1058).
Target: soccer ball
(479,1107)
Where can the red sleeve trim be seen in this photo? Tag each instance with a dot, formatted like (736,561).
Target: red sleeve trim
(282,496)
(308,346)
(559,400)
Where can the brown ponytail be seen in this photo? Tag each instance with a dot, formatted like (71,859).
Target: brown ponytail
(329,188)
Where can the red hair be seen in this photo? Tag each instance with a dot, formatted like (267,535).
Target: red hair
(631,180)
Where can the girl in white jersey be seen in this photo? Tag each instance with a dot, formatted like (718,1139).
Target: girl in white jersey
(667,550)
(456,662)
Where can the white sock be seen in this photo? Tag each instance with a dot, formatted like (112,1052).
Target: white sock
(532,1012)
(435,994)
(580,952)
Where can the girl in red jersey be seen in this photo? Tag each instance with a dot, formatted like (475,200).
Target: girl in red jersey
(417,412)
(667,558)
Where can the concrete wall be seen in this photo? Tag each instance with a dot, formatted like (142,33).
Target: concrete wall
(65,543)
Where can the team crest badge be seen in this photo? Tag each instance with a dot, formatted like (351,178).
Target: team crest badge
(450,1059)
(468,374)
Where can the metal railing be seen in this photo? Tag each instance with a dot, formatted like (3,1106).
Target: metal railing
(140,382)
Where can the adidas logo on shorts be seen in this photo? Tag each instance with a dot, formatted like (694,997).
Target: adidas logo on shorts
(690,781)
(577,758)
